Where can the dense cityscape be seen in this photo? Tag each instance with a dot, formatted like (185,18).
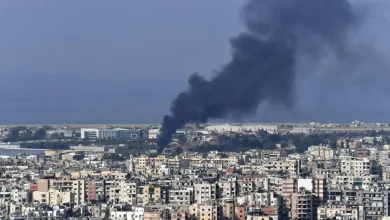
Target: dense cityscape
(241,96)
(276,171)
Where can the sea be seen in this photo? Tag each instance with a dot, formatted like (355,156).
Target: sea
(16,151)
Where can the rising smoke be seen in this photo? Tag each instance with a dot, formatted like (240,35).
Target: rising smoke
(264,60)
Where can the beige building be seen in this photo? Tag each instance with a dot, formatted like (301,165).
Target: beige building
(290,186)
(232,161)
(228,208)
(290,165)
(142,162)
(53,197)
(342,212)
(205,192)
(41,197)
(43,185)
(158,161)
(206,211)
(154,194)
(322,152)
(77,187)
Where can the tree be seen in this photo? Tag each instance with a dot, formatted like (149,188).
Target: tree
(39,134)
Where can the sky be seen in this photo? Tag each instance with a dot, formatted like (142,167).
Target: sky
(98,61)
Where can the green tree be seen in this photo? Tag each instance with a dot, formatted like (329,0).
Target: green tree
(39,134)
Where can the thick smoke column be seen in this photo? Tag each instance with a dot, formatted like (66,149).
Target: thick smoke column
(262,68)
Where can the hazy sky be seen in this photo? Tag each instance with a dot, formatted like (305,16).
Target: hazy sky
(99,61)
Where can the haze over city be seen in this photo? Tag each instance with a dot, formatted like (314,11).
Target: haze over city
(124,62)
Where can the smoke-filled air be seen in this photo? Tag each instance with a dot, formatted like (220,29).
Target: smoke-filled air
(263,66)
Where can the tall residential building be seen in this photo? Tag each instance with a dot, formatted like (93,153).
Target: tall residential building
(301,205)
(205,192)
(228,208)
(227,188)
(181,196)
(95,191)
(355,166)
(322,152)
(375,203)
(290,186)
(154,194)
(77,187)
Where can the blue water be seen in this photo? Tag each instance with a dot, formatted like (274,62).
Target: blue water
(13,152)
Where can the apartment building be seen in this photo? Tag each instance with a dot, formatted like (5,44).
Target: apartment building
(205,192)
(301,205)
(142,162)
(227,188)
(128,192)
(154,194)
(355,166)
(290,165)
(53,197)
(323,152)
(205,211)
(270,154)
(136,213)
(181,196)
(290,186)
(179,215)
(228,208)
(77,187)
(266,198)
(350,181)
(21,196)
(375,203)
(338,212)
(157,161)
(320,190)
(96,191)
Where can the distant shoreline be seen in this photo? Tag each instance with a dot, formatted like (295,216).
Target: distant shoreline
(13,148)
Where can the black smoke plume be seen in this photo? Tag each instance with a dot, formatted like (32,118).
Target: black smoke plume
(262,68)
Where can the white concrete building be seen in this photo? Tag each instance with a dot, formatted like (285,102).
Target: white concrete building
(154,133)
(242,128)
(355,166)
(89,133)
